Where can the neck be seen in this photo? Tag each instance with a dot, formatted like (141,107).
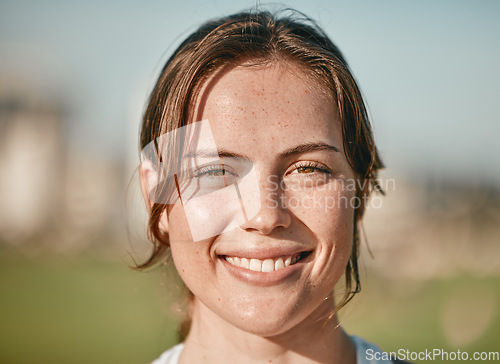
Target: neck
(317,339)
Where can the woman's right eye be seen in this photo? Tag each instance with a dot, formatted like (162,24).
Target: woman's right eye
(211,171)
(197,180)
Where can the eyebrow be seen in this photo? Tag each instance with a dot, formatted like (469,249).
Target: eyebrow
(307,148)
(211,153)
(299,149)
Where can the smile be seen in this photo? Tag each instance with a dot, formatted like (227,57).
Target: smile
(266,265)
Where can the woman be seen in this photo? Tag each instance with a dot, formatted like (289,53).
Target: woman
(257,162)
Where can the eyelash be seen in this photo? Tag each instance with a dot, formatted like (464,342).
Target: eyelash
(317,167)
(203,171)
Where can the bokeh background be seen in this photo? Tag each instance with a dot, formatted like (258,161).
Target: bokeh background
(74,76)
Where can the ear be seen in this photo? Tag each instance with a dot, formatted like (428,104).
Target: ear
(149,180)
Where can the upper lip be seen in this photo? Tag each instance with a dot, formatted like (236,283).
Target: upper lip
(262,253)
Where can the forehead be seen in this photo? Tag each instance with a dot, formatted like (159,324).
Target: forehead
(265,104)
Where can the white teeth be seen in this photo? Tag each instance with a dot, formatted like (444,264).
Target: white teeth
(256,265)
(279,264)
(267,265)
(245,263)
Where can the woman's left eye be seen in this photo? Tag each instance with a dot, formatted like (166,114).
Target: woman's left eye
(310,167)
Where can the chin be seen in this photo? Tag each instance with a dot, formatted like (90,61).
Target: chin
(265,329)
(265,322)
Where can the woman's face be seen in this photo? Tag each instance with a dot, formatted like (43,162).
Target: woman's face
(276,268)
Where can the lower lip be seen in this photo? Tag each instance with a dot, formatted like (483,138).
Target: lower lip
(264,278)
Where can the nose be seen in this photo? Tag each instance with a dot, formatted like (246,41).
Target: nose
(272,215)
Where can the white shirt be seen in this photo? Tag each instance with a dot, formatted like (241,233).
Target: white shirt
(364,351)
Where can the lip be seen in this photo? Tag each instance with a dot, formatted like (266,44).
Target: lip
(261,253)
(264,278)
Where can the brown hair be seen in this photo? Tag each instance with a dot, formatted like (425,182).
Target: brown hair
(256,38)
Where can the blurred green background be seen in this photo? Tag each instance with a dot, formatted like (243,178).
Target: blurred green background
(74,77)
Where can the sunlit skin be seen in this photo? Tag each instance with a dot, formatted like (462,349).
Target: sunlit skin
(260,112)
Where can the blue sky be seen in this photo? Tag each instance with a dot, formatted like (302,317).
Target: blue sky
(428,69)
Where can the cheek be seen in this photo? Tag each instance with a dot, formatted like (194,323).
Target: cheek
(176,224)
(329,214)
(190,258)
(193,263)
